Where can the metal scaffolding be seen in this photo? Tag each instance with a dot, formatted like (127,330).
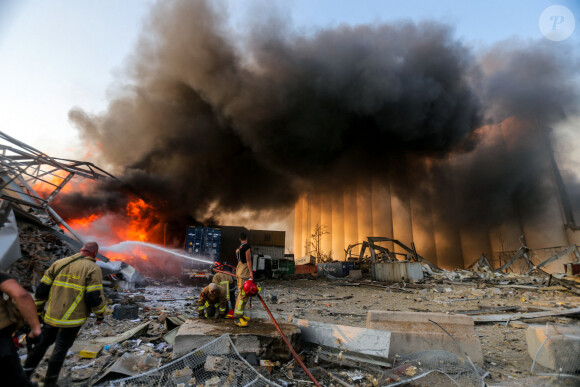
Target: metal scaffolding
(22,167)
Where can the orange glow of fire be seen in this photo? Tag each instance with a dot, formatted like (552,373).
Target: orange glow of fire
(136,223)
(137,211)
(48,184)
(82,222)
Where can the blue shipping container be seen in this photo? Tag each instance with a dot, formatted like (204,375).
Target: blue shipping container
(335,269)
(203,241)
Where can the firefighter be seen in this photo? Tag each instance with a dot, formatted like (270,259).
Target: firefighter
(244,272)
(70,289)
(10,366)
(211,300)
(226,282)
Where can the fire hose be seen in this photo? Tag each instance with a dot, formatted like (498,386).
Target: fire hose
(281,333)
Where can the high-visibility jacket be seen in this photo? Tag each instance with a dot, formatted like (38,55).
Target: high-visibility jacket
(73,294)
(224,281)
(206,299)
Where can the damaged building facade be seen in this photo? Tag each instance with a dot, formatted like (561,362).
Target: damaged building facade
(376,208)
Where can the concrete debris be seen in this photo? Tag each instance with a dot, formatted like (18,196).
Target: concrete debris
(260,337)
(223,365)
(367,341)
(381,321)
(520,316)
(129,365)
(39,249)
(413,332)
(556,347)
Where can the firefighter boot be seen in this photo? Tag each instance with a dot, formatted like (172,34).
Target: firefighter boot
(241,322)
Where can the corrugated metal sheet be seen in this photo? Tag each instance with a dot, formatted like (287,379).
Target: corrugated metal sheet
(267,238)
(272,251)
(398,271)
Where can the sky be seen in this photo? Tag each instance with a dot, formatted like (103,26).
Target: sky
(60,54)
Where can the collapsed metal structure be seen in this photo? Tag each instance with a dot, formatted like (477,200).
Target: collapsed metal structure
(22,167)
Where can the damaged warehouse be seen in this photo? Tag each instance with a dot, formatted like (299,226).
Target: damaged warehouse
(358,204)
(151,335)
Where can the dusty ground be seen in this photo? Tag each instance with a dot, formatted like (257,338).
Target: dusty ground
(504,347)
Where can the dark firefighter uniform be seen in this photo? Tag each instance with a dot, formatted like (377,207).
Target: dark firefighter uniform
(226,283)
(69,290)
(212,299)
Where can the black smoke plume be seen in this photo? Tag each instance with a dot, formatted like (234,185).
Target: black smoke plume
(210,118)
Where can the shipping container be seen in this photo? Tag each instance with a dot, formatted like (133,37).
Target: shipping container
(305,269)
(335,269)
(220,244)
(267,238)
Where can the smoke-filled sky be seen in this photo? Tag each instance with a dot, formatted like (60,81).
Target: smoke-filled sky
(212,113)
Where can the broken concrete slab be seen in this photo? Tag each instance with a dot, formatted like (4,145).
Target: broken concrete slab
(169,337)
(129,365)
(518,324)
(519,316)
(368,341)
(413,332)
(555,346)
(260,337)
(138,330)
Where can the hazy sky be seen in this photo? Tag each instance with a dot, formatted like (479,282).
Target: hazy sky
(58,54)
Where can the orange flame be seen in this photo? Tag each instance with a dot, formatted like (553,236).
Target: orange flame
(48,184)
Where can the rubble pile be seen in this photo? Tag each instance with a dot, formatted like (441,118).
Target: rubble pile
(39,250)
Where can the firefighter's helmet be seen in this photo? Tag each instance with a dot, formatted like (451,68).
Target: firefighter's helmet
(250,288)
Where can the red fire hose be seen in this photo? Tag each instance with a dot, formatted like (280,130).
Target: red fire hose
(281,334)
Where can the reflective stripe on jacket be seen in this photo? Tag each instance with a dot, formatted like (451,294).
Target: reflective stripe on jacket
(73,294)
(224,281)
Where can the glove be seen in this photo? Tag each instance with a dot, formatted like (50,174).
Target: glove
(100,320)
(201,315)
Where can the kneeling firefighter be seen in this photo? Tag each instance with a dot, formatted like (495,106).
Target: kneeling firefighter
(212,302)
(225,282)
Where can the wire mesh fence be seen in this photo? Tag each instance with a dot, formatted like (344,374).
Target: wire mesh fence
(559,352)
(436,368)
(541,381)
(216,364)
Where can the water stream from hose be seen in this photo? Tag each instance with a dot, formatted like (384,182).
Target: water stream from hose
(123,246)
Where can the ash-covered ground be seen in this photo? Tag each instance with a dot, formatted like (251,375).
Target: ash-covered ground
(333,301)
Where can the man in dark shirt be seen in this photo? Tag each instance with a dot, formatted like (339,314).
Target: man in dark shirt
(10,367)
(243,273)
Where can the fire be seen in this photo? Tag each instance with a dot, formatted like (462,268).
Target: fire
(138,210)
(82,222)
(48,184)
(136,223)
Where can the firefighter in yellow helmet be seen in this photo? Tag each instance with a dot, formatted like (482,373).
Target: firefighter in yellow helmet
(212,301)
(70,290)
